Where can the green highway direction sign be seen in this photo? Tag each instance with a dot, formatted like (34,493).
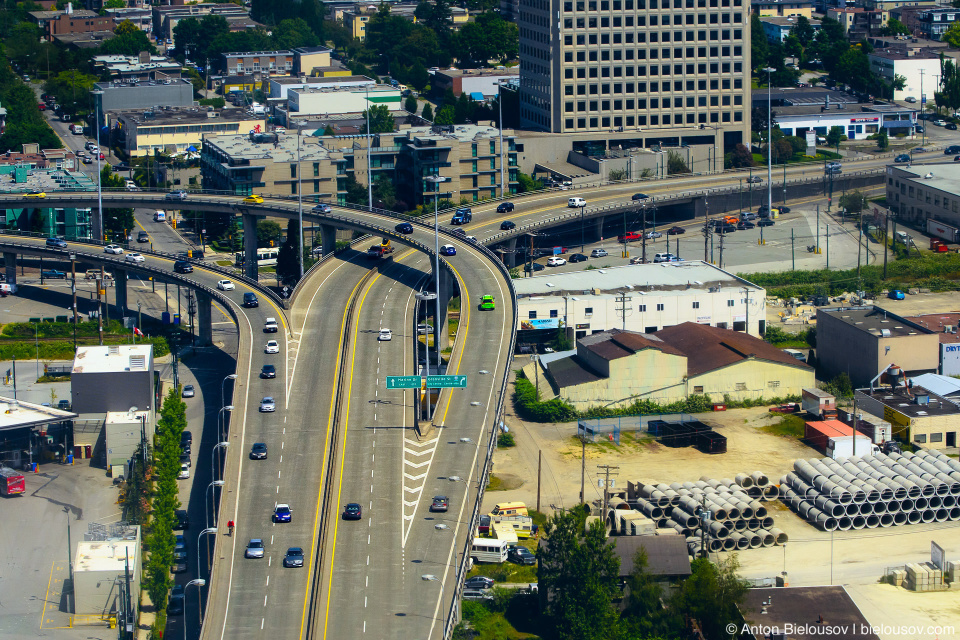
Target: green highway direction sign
(433,382)
(404,382)
(443,382)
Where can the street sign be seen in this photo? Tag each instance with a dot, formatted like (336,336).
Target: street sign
(404,382)
(444,382)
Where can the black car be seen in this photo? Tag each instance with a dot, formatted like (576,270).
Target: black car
(903,157)
(404,228)
(175,606)
(250,300)
(744,225)
(183,520)
(952,126)
(56,243)
(506,225)
(459,232)
(522,555)
(952,149)
(143,236)
(765,222)
(258,451)
(536,267)
(577,257)
(182,266)
(352,511)
(784,209)
(505,207)
(726,228)
(675,231)
(294,557)
(639,196)
(186,436)
(268,371)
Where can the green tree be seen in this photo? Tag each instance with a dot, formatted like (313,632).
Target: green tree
(758,44)
(384,193)
(676,163)
(328,131)
(114,4)
(292,33)
(616,175)
(854,201)
(894,28)
(739,158)
(410,104)
(644,616)
(128,41)
(72,90)
(712,595)
(267,231)
(381,120)
(883,140)
(427,113)
(952,35)
(580,572)
(835,136)
(803,30)
(445,115)
(288,260)
(489,37)
(526,183)
(270,12)
(356,192)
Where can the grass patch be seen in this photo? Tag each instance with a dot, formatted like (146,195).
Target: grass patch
(496,483)
(46,378)
(224,263)
(452,325)
(503,619)
(790,426)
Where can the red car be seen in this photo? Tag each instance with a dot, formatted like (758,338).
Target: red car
(41,106)
(630,236)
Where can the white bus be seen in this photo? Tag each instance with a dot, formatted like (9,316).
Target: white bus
(266,257)
(489,550)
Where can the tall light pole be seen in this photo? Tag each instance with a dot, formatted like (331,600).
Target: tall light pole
(300,198)
(221,426)
(369,163)
(213,455)
(232,376)
(503,166)
(98,225)
(198,582)
(205,532)
(215,483)
(429,577)
(769,70)
(435,180)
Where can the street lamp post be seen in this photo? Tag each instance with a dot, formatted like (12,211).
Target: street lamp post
(213,455)
(98,95)
(300,198)
(206,531)
(503,167)
(198,582)
(232,376)
(443,619)
(435,180)
(207,504)
(369,163)
(221,425)
(769,70)
(582,207)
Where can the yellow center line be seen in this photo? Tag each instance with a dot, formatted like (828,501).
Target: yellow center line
(466,327)
(343,438)
(326,452)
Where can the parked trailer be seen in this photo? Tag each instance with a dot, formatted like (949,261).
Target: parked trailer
(834,439)
(944,231)
(11,482)
(843,447)
(819,403)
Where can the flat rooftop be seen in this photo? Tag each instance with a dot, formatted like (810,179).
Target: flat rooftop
(311,80)
(905,401)
(693,275)
(185,115)
(944,177)
(797,611)
(112,86)
(16,414)
(345,84)
(939,322)
(239,147)
(874,320)
(106,555)
(461,132)
(115,358)
(478,73)
(46,180)
(794,96)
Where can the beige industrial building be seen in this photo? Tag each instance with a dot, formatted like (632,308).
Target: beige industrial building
(916,415)
(649,67)
(100,568)
(175,130)
(355,19)
(467,155)
(864,341)
(617,368)
(925,192)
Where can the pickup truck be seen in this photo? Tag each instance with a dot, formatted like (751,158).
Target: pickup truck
(380,250)
(53,273)
(463,215)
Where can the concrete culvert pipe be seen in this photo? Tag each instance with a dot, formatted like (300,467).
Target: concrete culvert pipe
(790,498)
(712,482)
(844,524)
(651,511)
(858,522)
(746,511)
(955,513)
(753,524)
(873,521)
(689,505)
(755,541)
(886,493)
(886,519)
(880,507)
(934,502)
(852,509)
(759,479)
(866,509)
(618,503)
(758,509)
(906,505)
(685,519)
(716,545)
(920,504)
(779,536)
(766,522)
(808,512)
(825,522)
(729,544)
(663,523)
(718,531)
(927,515)
(942,515)
(654,495)
(948,502)
(771,492)
(739,524)
(693,549)
(767,538)
(873,495)
(900,518)
(743,542)
(914,517)
(744,480)
(829,507)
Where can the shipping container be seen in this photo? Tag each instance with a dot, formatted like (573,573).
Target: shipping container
(711,442)
(944,231)
(843,447)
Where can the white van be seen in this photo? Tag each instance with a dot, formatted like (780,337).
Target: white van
(160,216)
(576,202)
(904,238)
(488,550)
(131,185)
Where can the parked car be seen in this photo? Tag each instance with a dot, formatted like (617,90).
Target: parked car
(175,603)
(521,555)
(652,235)
(951,150)
(577,257)
(189,391)
(745,224)
(556,261)
(599,253)
(533,266)
(765,222)
(478,582)
(896,294)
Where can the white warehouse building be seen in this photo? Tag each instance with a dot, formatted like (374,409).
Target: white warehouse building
(342,99)
(657,296)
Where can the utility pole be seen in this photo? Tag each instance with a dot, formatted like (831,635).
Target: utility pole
(793,253)
(539,467)
(746,290)
(886,225)
(818,228)
(706,229)
(721,250)
(704,518)
(860,246)
(643,234)
(606,469)
(828,247)
(583,461)
(623,299)
(100,284)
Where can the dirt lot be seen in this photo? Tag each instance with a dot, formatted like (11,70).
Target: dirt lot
(812,557)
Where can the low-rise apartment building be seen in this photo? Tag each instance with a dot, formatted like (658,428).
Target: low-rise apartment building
(782,8)
(54,23)
(933,23)
(924,192)
(912,64)
(172,130)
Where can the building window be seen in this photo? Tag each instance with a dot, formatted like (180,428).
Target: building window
(643,308)
(698,389)
(774,384)
(554,313)
(588,311)
(741,386)
(729,303)
(936,437)
(660,307)
(316,169)
(293,171)
(920,437)
(532,315)
(696,305)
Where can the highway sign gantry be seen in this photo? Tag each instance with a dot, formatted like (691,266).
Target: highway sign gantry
(404,382)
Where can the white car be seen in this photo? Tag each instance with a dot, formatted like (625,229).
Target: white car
(184,472)
(272,347)
(652,235)
(939,123)
(270,326)
(134,257)
(225,285)
(114,249)
(556,261)
(385,335)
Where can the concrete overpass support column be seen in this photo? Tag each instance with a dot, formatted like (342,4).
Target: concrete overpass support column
(445,293)
(510,258)
(10,263)
(328,238)
(597,230)
(120,290)
(250,245)
(699,208)
(205,318)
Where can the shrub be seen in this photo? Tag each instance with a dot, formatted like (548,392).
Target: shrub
(506,440)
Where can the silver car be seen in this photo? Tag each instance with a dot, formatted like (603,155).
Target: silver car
(267,405)
(254,548)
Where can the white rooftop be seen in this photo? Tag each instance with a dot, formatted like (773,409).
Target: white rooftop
(114,358)
(107,555)
(665,277)
(16,414)
(125,417)
(944,177)
(238,146)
